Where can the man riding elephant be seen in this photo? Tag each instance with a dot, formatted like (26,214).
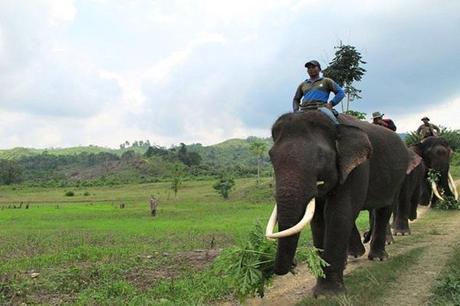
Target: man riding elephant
(427,129)
(327,173)
(377,118)
(313,93)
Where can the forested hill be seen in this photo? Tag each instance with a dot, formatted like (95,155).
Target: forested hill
(139,161)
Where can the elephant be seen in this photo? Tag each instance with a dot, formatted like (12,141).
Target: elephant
(436,154)
(410,195)
(326,174)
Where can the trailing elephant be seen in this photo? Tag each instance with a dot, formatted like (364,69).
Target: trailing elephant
(436,154)
(327,174)
(410,194)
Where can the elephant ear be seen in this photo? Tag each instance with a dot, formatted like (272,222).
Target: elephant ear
(353,148)
(414,161)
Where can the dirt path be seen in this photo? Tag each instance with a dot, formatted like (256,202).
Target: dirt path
(439,238)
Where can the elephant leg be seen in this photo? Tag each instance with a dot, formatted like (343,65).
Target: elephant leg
(426,193)
(338,218)
(414,201)
(355,246)
(317,225)
(401,216)
(382,217)
(368,234)
(388,235)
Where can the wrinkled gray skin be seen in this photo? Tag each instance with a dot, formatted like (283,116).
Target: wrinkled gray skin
(363,166)
(409,197)
(436,154)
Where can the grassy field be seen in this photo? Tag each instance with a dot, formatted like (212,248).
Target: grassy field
(87,250)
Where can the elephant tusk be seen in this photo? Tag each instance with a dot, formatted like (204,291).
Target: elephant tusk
(435,191)
(318,183)
(452,186)
(309,212)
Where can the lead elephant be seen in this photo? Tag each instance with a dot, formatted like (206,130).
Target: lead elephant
(327,174)
(436,154)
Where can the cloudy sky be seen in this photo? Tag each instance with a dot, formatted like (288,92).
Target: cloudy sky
(105,71)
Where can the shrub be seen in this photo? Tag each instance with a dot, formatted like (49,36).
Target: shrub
(86,193)
(448,203)
(224,185)
(249,266)
(69,194)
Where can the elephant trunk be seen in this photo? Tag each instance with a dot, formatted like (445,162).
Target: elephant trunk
(444,184)
(285,254)
(292,213)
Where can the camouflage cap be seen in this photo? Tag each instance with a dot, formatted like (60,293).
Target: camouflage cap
(376,115)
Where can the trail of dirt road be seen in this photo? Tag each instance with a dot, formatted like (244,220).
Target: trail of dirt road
(408,290)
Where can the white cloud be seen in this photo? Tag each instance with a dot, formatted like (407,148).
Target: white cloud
(101,72)
(61,11)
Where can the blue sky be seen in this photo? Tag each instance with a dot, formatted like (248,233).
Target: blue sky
(102,72)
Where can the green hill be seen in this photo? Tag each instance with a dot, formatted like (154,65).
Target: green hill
(139,162)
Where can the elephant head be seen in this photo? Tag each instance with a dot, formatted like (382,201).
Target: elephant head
(436,154)
(310,157)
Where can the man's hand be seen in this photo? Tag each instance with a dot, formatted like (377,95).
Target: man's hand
(329,105)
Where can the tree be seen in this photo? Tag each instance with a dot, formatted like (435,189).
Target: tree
(10,172)
(128,155)
(224,184)
(182,154)
(194,159)
(356,114)
(177,174)
(345,69)
(258,149)
(150,152)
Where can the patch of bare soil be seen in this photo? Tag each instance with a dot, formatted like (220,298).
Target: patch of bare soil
(411,289)
(145,277)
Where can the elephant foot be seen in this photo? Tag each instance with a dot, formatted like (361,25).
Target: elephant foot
(367,236)
(328,288)
(356,250)
(401,227)
(389,239)
(401,231)
(380,255)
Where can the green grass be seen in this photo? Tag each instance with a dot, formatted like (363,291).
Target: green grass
(366,286)
(90,251)
(447,288)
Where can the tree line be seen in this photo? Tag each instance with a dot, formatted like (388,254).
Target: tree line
(154,163)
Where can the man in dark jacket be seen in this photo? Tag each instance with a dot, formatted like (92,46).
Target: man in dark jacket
(377,118)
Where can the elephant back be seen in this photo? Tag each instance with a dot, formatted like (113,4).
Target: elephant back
(389,161)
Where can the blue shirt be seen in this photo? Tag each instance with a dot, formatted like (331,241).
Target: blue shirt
(318,91)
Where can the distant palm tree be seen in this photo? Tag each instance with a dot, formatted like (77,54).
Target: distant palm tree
(258,149)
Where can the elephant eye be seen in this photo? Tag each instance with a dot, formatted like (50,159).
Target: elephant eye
(270,153)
